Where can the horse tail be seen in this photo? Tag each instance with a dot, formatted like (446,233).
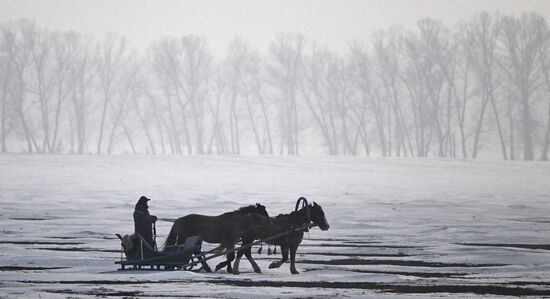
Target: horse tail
(172,236)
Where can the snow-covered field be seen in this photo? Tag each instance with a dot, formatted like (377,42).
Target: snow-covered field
(398,227)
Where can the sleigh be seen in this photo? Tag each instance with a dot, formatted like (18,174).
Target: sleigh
(137,254)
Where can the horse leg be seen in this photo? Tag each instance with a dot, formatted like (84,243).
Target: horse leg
(230,258)
(237,262)
(248,254)
(293,249)
(205,265)
(222,264)
(284,251)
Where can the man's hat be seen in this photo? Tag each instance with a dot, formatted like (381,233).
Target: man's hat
(143,199)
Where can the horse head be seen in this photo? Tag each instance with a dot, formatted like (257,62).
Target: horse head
(314,213)
(260,210)
(318,216)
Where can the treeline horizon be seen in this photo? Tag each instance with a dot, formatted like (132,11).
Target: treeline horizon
(483,85)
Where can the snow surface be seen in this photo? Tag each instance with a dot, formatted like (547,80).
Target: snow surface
(393,222)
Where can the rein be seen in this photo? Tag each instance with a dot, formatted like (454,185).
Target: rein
(155,235)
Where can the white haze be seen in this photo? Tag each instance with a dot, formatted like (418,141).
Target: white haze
(331,23)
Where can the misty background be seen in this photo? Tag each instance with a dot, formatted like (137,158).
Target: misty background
(399,78)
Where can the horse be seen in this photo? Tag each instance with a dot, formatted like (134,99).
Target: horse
(225,229)
(276,225)
(254,220)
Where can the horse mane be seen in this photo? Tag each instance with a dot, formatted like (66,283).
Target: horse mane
(294,215)
(243,210)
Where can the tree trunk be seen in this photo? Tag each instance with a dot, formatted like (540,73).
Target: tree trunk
(129,137)
(143,125)
(499,129)
(254,128)
(527,127)
(544,156)
(102,123)
(198,127)
(267,126)
(4,149)
(485,100)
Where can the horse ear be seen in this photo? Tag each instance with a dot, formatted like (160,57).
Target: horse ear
(315,204)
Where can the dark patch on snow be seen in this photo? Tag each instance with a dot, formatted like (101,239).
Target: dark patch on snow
(398,288)
(101,292)
(359,246)
(123,294)
(86,249)
(405,273)
(27,268)
(479,289)
(542,283)
(40,243)
(409,263)
(91,282)
(485,289)
(32,218)
(343,240)
(356,254)
(522,246)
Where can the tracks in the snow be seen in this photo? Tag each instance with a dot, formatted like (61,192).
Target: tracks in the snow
(395,263)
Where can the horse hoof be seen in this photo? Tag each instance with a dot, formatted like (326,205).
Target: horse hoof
(294,272)
(273,265)
(236,272)
(258,270)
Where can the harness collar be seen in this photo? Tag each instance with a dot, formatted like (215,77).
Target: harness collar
(305,206)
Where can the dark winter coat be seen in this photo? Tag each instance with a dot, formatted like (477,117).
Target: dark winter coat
(143,222)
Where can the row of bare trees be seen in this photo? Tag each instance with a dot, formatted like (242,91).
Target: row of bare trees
(431,91)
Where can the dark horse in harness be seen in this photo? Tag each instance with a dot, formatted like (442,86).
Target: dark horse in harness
(225,229)
(309,213)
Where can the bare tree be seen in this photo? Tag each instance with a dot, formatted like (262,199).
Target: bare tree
(215,105)
(256,106)
(50,62)
(458,75)
(166,65)
(82,74)
(62,57)
(183,70)
(112,57)
(121,106)
(285,73)
(388,51)
(139,89)
(544,59)
(196,60)
(238,52)
(24,34)
(424,79)
(479,41)
(7,44)
(522,41)
(319,93)
(369,93)
(42,82)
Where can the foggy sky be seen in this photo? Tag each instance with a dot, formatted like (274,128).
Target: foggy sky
(332,23)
